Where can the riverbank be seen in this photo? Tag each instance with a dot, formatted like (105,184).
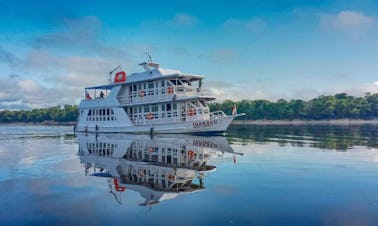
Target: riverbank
(341,122)
(55,123)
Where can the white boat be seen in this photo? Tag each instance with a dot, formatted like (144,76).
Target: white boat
(158,168)
(154,101)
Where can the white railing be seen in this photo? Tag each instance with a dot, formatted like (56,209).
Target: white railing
(217,114)
(148,95)
(169,117)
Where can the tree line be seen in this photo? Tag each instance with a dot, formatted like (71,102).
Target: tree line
(66,113)
(323,107)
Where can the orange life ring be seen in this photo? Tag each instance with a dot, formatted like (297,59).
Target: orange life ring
(191,111)
(141,93)
(191,154)
(170,89)
(150,116)
(120,77)
(171,177)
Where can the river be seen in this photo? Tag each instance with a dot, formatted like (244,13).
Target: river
(254,175)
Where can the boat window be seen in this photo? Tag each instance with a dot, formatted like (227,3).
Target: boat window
(173,82)
(134,87)
(168,107)
(163,83)
(90,112)
(108,111)
(146,109)
(150,85)
(103,111)
(155,108)
(163,107)
(139,86)
(174,106)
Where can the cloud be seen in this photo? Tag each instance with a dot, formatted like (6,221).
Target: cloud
(252,25)
(183,20)
(78,34)
(223,55)
(8,58)
(236,91)
(29,93)
(375,83)
(347,21)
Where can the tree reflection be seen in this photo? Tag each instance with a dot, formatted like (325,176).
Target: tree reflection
(339,138)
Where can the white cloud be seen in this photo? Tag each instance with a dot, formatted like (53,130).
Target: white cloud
(348,21)
(223,55)
(376,83)
(183,20)
(237,91)
(252,25)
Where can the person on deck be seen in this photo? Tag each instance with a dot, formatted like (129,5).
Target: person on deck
(102,95)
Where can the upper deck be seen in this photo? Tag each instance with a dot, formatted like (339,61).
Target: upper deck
(153,85)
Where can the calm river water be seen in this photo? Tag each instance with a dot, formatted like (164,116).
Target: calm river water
(255,175)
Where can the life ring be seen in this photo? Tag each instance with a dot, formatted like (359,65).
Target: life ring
(191,154)
(170,89)
(150,116)
(120,77)
(191,111)
(141,93)
(171,177)
(117,187)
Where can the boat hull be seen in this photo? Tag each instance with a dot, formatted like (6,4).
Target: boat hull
(216,125)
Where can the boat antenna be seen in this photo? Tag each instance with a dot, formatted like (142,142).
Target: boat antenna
(149,57)
(111,72)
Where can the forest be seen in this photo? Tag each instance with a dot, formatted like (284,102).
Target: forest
(339,106)
(61,114)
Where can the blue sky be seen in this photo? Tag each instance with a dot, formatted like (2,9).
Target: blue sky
(50,50)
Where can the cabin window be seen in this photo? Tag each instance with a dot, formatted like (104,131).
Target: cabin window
(90,112)
(150,85)
(155,108)
(146,108)
(174,106)
(163,83)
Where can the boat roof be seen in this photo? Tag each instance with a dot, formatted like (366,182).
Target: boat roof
(152,73)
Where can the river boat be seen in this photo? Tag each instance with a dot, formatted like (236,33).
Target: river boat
(156,100)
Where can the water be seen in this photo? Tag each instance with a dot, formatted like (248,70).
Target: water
(256,175)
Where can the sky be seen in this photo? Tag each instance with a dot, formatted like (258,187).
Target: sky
(246,49)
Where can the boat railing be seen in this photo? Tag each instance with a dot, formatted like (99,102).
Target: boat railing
(162,93)
(174,117)
(217,114)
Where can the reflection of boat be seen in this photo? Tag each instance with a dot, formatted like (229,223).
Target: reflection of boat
(156,100)
(159,167)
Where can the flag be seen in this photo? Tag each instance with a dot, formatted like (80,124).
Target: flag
(234,111)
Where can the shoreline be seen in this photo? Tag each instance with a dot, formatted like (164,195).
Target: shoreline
(341,122)
(45,123)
